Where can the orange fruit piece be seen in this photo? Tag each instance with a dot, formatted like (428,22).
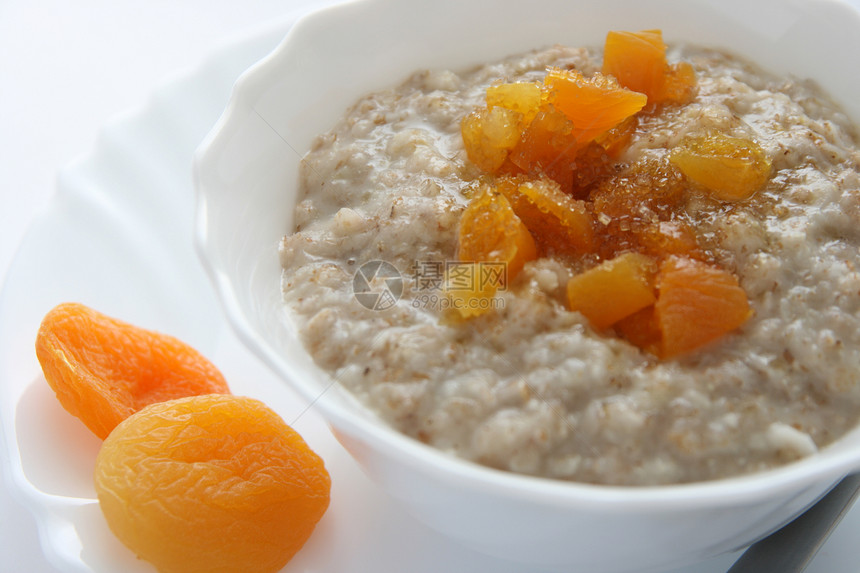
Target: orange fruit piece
(613,289)
(642,330)
(730,168)
(616,140)
(491,232)
(522,97)
(488,136)
(213,483)
(594,105)
(637,60)
(469,288)
(494,244)
(547,145)
(558,221)
(697,304)
(680,84)
(103,369)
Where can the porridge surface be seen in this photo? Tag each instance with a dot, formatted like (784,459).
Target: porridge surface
(530,387)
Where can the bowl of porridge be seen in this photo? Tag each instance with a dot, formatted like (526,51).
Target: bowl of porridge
(579,291)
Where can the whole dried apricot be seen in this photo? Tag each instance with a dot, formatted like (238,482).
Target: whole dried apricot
(103,369)
(214,483)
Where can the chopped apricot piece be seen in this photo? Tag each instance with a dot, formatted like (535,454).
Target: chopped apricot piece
(521,97)
(559,222)
(210,483)
(594,105)
(491,232)
(637,60)
(613,289)
(730,168)
(103,369)
(642,330)
(488,136)
(494,244)
(697,304)
(546,143)
(680,84)
(616,140)
(470,287)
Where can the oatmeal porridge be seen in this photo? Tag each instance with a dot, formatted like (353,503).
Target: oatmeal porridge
(679,298)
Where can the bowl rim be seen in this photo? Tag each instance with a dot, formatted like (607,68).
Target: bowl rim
(824,466)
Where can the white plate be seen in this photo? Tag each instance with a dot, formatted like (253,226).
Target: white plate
(118,237)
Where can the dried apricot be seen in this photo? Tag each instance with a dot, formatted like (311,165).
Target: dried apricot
(522,97)
(494,244)
(548,144)
(680,84)
(559,222)
(491,232)
(642,330)
(641,209)
(616,140)
(697,304)
(214,483)
(594,105)
(730,168)
(470,287)
(637,60)
(488,135)
(103,369)
(613,289)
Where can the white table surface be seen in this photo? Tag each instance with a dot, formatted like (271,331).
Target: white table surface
(65,69)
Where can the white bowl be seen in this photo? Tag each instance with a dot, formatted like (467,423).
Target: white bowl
(246,176)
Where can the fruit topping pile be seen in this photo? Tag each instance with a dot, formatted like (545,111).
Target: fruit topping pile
(555,185)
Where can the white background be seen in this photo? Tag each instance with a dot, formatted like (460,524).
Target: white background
(65,69)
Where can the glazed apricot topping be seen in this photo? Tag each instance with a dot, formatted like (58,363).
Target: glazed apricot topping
(555,150)
(489,134)
(697,304)
(210,483)
(626,283)
(558,222)
(103,369)
(540,127)
(490,232)
(638,61)
(729,168)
